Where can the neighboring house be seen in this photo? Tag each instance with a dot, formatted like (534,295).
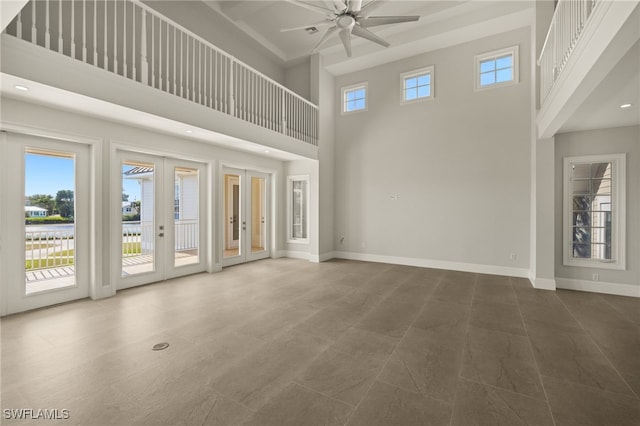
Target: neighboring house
(129,208)
(33,211)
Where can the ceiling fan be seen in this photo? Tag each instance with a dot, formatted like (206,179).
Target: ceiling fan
(348,17)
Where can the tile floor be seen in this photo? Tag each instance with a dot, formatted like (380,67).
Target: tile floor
(287,342)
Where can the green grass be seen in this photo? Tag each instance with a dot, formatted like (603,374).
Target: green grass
(59,258)
(131,248)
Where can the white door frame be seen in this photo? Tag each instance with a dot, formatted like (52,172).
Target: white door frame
(15,145)
(164,239)
(245,254)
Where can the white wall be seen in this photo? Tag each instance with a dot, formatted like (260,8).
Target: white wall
(459,165)
(210,25)
(603,141)
(298,79)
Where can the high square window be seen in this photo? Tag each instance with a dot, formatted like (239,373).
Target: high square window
(497,68)
(354,98)
(417,85)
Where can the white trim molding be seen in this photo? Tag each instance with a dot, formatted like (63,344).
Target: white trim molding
(435,264)
(617,289)
(542,283)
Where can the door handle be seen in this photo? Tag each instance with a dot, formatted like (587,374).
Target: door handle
(161,234)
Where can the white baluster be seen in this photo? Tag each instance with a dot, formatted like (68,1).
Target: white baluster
(200,91)
(133,43)
(193,70)
(284,113)
(84,30)
(175,55)
(124,38)
(181,66)
(106,57)
(95,33)
(60,40)
(144,64)
(34,32)
(167,74)
(160,64)
(115,37)
(19,26)
(47,34)
(153,62)
(232,101)
(73,31)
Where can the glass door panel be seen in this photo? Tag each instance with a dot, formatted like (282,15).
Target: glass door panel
(138,214)
(186,216)
(232,213)
(50,183)
(258,229)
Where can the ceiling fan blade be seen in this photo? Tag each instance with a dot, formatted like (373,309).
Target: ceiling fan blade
(364,33)
(324,38)
(304,27)
(374,21)
(368,8)
(354,6)
(312,7)
(345,36)
(339,5)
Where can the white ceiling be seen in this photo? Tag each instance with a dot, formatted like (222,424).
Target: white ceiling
(441,24)
(602,109)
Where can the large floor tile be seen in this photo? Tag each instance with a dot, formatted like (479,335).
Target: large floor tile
(387,405)
(573,404)
(299,406)
(481,405)
(443,316)
(340,376)
(389,318)
(497,316)
(575,358)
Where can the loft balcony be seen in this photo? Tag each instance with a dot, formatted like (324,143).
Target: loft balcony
(90,47)
(585,41)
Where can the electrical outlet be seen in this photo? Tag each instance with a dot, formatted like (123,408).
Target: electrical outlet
(596,277)
(513,256)
(394,198)
(342,239)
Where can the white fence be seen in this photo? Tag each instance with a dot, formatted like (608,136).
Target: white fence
(569,19)
(49,249)
(130,39)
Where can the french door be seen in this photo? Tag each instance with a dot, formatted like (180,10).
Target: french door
(245,217)
(48,218)
(162,231)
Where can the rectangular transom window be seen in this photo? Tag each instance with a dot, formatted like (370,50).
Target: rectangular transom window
(298,209)
(497,68)
(417,85)
(594,226)
(354,98)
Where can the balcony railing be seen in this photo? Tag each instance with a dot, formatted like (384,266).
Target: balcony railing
(568,22)
(130,39)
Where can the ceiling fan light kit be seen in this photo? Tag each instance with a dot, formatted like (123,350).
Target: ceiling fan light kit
(348,17)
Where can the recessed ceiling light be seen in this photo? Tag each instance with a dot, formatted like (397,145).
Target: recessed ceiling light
(188,131)
(626,105)
(23,88)
(267,151)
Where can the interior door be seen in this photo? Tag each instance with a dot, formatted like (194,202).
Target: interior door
(162,232)
(48,214)
(245,216)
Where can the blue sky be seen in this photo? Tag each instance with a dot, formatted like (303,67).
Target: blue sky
(46,174)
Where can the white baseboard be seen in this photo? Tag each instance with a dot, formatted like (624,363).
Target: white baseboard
(322,257)
(436,264)
(295,254)
(542,283)
(599,287)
